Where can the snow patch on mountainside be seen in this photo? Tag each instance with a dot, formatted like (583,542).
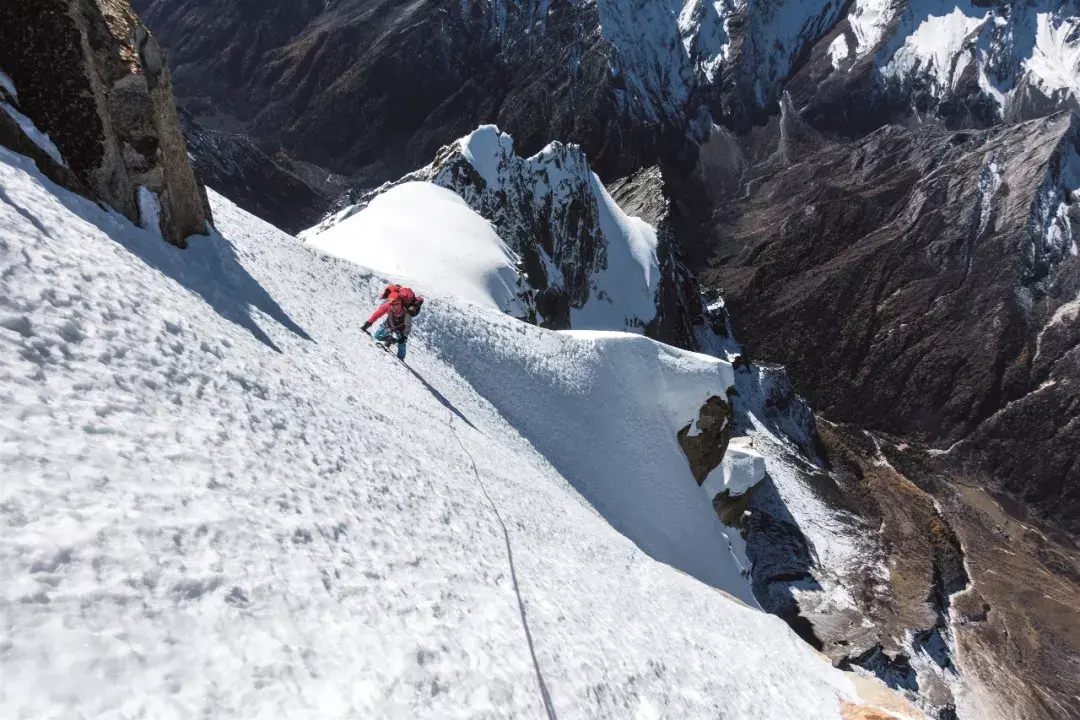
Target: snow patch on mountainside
(1055,60)
(426,235)
(838,50)
(221,499)
(39,138)
(935,44)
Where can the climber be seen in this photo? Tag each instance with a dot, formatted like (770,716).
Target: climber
(400,305)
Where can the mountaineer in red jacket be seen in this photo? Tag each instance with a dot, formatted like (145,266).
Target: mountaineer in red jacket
(400,305)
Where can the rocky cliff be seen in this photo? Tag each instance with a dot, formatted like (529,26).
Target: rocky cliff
(257,182)
(90,76)
(919,284)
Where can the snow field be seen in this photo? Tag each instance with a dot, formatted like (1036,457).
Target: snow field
(219,498)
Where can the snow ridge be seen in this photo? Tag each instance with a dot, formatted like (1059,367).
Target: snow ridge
(591,265)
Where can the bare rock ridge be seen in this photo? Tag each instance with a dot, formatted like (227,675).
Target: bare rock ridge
(90,76)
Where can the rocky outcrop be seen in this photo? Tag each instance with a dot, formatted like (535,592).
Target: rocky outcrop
(91,77)
(14,135)
(233,166)
(705,441)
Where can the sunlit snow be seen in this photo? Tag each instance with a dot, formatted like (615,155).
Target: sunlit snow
(222,500)
(427,236)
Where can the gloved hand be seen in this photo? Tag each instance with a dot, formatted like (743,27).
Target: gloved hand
(401,339)
(365,327)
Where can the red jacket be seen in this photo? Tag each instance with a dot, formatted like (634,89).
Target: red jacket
(397,319)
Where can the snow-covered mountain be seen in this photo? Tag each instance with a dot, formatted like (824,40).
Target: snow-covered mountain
(582,262)
(881,194)
(967,64)
(220,498)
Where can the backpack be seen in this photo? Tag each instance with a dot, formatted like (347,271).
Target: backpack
(413,308)
(406,296)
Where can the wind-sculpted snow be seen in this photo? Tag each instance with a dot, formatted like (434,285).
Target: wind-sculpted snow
(220,499)
(628,395)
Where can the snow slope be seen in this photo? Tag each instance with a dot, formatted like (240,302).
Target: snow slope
(220,499)
(427,235)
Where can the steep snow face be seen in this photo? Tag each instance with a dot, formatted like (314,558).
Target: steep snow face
(650,56)
(630,396)
(624,288)
(1055,60)
(593,267)
(665,49)
(939,46)
(428,236)
(220,499)
(703,28)
(776,32)
(935,46)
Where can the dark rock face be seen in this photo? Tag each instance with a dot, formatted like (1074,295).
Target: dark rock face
(13,138)
(372,88)
(906,281)
(90,76)
(705,441)
(682,317)
(234,167)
